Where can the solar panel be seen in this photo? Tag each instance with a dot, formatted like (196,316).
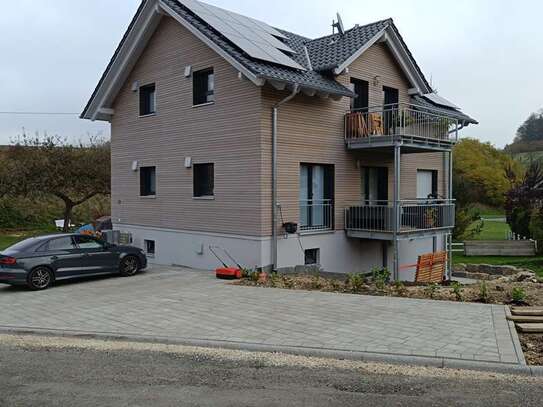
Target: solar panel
(257,39)
(438,100)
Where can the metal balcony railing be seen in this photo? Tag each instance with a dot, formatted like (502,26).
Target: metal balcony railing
(401,119)
(414,215)
(316,214)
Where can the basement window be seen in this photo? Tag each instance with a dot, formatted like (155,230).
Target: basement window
(149,247)
(204,180)
(147,100)
(147,181)
(312,257)
(203,87)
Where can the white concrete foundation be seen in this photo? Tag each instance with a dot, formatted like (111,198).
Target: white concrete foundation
(337,252)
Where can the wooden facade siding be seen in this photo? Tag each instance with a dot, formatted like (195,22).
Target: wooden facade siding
(235,135)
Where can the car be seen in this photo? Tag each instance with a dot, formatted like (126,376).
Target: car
(39,261)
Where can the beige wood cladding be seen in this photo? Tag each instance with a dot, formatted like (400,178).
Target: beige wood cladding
(235,135)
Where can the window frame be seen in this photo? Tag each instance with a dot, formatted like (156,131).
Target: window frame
(317,256)
(146,243)
(147,193)
(209,93)
(90,238)
(329,189)
(197,186)
(142,90)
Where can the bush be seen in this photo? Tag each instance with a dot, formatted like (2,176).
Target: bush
(465,218)
(484,295)
(381,277)
(518,295)
(356,281)
(519,220)
(536,230)
(431,290)
(457,290)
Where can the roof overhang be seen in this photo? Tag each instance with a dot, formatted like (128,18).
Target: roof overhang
(139,33)
(136,38)
(401,55)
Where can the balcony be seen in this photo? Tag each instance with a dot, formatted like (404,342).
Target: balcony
(415,127)
(316,215)
(417,217)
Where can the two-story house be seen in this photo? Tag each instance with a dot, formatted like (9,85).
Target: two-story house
(284,150)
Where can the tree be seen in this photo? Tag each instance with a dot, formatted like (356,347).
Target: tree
(531,129)
(48,166)
(480,173)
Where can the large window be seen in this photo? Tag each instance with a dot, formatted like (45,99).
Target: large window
(204,180)
(203,84)
(148,181)
(316,196)
(147,100)
(426,184)
(361,100)
(374,185)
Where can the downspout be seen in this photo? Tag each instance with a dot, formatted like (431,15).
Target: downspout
(275,109)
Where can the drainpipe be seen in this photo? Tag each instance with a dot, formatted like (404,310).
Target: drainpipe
(275,110)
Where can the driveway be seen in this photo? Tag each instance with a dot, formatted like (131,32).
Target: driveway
(186,305)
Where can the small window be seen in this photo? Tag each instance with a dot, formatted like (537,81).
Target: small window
(62,243)
(203,87)
(312,257)
(150,247)
(147,99)
(204,182)
(148,181)
(87,242)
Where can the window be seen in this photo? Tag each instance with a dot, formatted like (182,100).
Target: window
(147,100)
(150,247)
(374,185)
(203,87)
(62,243)
(316,196)
(203,178)
(87,242)
(361,100)
(312,256)
(148,181)
(426,184)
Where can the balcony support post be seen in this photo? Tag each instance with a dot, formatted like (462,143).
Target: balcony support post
(450,197)
(396,210)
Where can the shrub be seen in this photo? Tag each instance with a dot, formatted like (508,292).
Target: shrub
(381,277)
(465,226)
(287,282)
(431,290)
(519,220)
(399,287)
(356,281)
(518,295)
(254,275)
(483,291)
(335,284)
(536,230)
(457,290)
(317,283)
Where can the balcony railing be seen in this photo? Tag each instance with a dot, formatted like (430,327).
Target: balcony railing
(316,214)
(413,216)
(401,119)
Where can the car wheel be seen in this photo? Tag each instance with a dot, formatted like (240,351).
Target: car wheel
(40,278)
(130,266)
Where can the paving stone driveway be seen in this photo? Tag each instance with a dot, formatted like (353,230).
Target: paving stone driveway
(186,304)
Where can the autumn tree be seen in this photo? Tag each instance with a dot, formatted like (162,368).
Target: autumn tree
(480,173)
(49,166)
(531,129)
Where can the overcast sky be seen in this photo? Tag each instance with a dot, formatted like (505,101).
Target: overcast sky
(484,55)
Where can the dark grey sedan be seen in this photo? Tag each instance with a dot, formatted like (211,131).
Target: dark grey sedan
(39,261)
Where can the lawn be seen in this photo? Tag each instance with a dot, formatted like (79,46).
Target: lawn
(493,230)
(532,263)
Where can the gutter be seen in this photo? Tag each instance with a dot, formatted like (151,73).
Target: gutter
(275,110)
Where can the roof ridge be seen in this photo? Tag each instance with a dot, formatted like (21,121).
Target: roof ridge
(388,20)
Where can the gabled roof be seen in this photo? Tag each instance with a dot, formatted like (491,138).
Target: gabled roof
(323,58)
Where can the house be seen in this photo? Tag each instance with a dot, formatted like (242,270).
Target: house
(282,149)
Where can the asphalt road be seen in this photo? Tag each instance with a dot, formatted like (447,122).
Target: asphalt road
(36,371)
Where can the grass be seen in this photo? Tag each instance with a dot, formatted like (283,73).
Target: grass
(493,230)
(531,263)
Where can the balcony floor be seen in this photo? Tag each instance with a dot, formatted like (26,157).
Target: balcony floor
(409,143)
(404,234)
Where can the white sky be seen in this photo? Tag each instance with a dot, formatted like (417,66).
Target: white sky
(485,56)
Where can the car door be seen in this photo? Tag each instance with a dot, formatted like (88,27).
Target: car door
(64,257)
(96,256)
